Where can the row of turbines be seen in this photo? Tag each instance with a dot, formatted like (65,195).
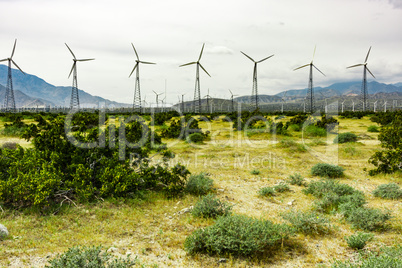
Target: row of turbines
(9,102)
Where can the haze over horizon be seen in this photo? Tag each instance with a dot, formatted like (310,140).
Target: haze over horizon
(171,33)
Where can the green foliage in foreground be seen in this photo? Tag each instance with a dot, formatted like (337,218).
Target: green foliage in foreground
(345,137)
(199,184)
(210,206)
(389,159)
(358,240)
(57,170)
(89,257)
(327,170)
(387,257)
(296,179)
(238,235)
(388,191)
(308,222)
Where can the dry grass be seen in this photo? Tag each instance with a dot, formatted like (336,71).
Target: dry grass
(152,229)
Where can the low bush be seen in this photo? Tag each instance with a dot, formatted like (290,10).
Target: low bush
(358,240)
(345,137)
(238,235)
(89,257)
(368,219)
(373,128)
(267,191)
(327,170)
(199,184)
(296,179)
(388,191)
(314,131)
(387,257)
(292,145)
(210,206)
(281,187)
(310,223)
(196,138)
(255,172)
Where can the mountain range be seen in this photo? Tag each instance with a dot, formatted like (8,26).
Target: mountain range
(31,91)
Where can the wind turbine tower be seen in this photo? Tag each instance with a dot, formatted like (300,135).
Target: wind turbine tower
(283,101)
(9,101)
(231,98)
(197,91)
(310,91)
(137,91)
(254,92)
(75,100)
(364,93)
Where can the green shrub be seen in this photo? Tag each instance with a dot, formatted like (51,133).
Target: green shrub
(195,138)
(255,172)
(358,240)
(323,186)
(373,128)
(327,170)
(281,187)
(267,191)
(388,191)
(308,222)
(210,206)
(345,137)
(199,184)
(368,219)
(89,257)
(296,179)
(291,145)
(237,235)
(387,257)
(314,131)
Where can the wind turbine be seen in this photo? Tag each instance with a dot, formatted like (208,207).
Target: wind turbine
(254,92)
(182,103)
(364,93)
(231,98)
(310,92)
(197,91)
(208,96)
(9,101)
(375,105)
(326,103)
(137,91)
(75,100)
(342,105)
(353,105)
(157,98)
(385,106)
(283,101)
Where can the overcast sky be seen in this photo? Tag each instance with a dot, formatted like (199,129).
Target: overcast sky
(171,33)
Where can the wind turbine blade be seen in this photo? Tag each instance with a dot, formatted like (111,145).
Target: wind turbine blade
(155,92)
(85,59)
(230,92)
(301,67)
(315,47)
(361,64)
(318,70)
(367,55)
(188,64)
(370,72)
(284,95)
(146,62)
(202,49)
(17,66)
(72,68)
(135,66)
(204,69)
(247,56)
(12,53)
(265,59)
(3,60)
(70,51)
(135,52)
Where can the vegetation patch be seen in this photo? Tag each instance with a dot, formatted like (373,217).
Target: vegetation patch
(89,257)
(388,191)
(358,240)
(327,170)
(296,179)
(310,223)
(210,206)
(199,184)
(238,235)
(345,137)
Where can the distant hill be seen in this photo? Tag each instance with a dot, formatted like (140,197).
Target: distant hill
(38,91)
(337,90)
